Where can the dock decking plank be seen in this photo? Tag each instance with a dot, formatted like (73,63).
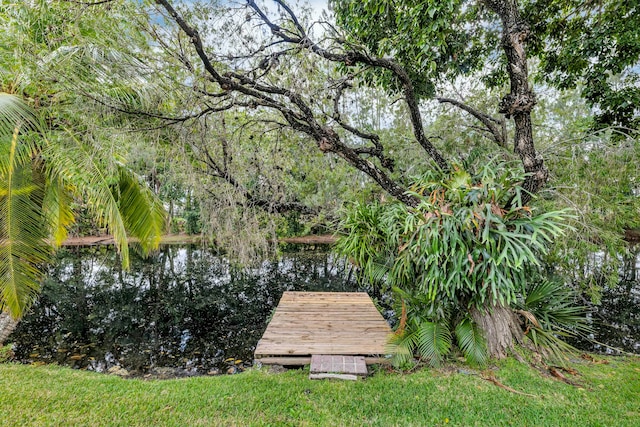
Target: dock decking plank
(327,323)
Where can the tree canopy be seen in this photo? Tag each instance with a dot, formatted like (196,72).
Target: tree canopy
(591,45)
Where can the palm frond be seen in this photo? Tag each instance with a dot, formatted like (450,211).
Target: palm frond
(539,292)
(550,344)
(550,310)
(115,197)
(16,119)
(143,214)
(22,234)
(433,342)
(122,77)
(376,271)
(56,207)
(553,305)
(471,342)
(15,113)
(401,346)
(80,169)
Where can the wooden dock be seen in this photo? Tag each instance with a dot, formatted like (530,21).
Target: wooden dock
(323,323)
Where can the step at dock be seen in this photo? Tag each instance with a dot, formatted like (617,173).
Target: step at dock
(342,367)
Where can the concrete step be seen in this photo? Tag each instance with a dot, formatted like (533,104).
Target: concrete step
(336,366)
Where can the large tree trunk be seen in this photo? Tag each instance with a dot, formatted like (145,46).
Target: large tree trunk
(501,329)
(7,326)
(520,101)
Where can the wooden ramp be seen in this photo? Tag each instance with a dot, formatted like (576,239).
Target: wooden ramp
(323,323)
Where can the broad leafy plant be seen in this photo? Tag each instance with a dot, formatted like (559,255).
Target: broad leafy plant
(466,246)
(426,328)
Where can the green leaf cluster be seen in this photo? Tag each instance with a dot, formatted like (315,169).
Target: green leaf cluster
(21,197)
(551,314)
(594,46)
(468,244)
(468,241)
(426,330)
(40,176)
(433,40)
(596,175)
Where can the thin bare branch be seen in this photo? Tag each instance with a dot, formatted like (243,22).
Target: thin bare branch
(356,57)
(490,123)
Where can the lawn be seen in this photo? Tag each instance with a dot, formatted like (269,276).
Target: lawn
(609,395)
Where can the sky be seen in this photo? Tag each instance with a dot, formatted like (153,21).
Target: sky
(317,6)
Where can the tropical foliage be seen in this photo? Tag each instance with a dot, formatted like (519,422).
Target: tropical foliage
(459,244)
(425,330)
(22,233)
(41,176)
(457,251)
(596,175)
(585,45)
(252,122)
(55,160)
(551,313)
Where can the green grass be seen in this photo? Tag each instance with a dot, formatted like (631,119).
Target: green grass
(52,396)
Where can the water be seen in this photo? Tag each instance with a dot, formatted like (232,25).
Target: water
(187,311)
(616,320)
(185,308)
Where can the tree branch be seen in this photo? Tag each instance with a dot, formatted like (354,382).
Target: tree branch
(270,206)
(498,133)
(169,119)
(303,120)
(519,102)
(86,3)
(353,57)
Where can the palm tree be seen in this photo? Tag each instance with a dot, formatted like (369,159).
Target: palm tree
(41,173)
(44,169)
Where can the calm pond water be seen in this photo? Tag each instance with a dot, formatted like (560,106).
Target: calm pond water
(185,308)
(616,320)
(187,311)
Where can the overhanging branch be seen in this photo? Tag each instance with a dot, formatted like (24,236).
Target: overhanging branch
(302,118)
(498,133)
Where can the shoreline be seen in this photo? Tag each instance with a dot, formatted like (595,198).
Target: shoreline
(323,239)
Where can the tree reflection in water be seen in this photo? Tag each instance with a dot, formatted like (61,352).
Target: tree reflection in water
(616,320)
(184,307)
(188,308)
